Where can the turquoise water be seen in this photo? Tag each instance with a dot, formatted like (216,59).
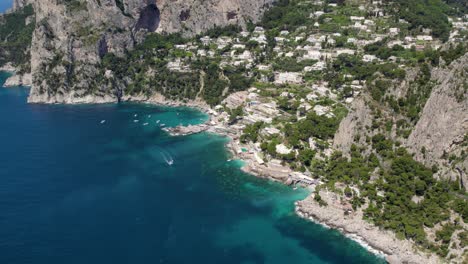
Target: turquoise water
(75,190)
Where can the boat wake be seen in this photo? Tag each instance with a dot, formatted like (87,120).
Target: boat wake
(169,161)
(167,158)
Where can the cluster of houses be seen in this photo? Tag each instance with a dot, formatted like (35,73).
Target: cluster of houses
(310,43)
(314,49)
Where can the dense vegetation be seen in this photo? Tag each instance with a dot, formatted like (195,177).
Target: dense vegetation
(405,198)
(431,14)
(284,15)
(203,78)
(16,36)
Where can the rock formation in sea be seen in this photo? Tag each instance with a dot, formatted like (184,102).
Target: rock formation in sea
(19,80)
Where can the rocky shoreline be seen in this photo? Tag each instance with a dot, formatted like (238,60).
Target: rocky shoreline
(16,79)
(352,225)
(380,242)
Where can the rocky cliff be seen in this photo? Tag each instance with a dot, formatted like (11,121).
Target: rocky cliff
(72,36)
(438,137)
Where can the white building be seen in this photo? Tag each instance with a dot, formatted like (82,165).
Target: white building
(424,38)
(312,55)
(288,77)
(394,31)
(205,40)
(238,46)
(356,18)
(369,58)
(311,96)
(271,130)
(282,149)
(245,56)
(321,110)
(262,67)
(345,51)
(259,30)
(312,144)
(319,66)
(317,14)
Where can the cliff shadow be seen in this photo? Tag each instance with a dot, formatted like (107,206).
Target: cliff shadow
(149,18)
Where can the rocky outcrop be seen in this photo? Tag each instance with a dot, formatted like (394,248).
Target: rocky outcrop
(17,4)
(19,80)
(352,125)
(71,37)
(333,215)
(196,16)
(439,137)
(443,126)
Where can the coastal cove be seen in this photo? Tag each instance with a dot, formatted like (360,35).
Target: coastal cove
(104,183)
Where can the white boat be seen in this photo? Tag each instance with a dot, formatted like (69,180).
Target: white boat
(162,125)
(135,115)
(103,121)
(145,124)
(157,122)
(136,121)
(169,161)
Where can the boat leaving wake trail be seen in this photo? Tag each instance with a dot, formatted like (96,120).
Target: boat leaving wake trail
(167,158)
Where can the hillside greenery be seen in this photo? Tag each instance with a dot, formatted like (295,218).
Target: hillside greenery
(16,37)
(151,56)
(431,14)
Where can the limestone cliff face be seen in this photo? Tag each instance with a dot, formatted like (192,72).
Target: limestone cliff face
(67,44)
(17,4)
(200,15)
(353,125)
(440,136)
(443,127)
(71,37)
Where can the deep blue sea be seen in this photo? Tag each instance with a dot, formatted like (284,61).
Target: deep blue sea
(5,5)
(75,190)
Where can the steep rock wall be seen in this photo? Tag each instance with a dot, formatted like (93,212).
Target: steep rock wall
(440,135)
(17,4)
(443,126)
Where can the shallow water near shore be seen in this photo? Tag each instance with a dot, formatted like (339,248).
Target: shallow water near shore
(75,189)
